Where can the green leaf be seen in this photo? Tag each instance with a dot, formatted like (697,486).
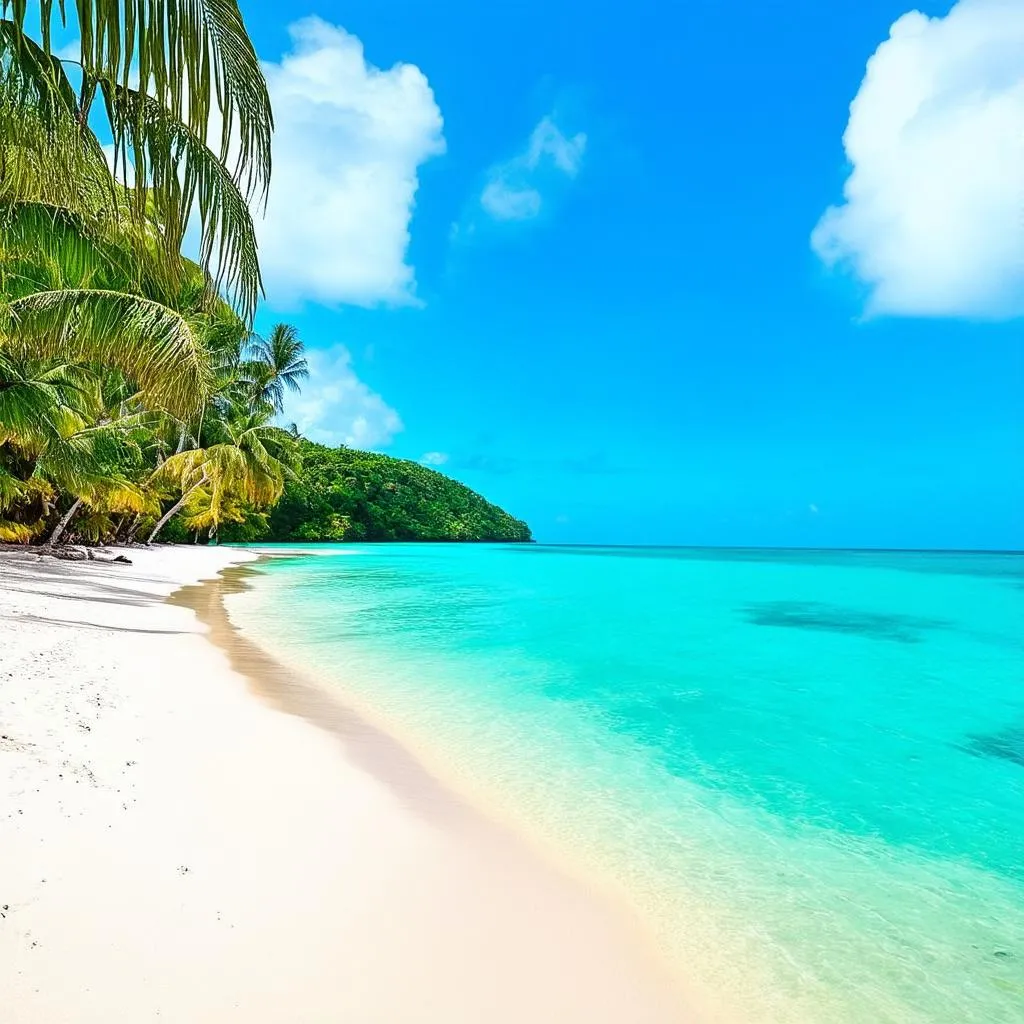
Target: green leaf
(150,343)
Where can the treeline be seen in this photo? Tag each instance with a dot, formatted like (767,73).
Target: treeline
(136,402)
(339,494)
(132,389)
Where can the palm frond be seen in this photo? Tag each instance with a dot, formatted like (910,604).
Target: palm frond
(150,343)
(18,533)
(11,488)
(179,471)
(166,71)
(121,495)
(31,395)
(48,247)
(173,162)
(185,53)
(33,75)
(47,152)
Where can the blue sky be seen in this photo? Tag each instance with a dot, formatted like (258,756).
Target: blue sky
(580,259)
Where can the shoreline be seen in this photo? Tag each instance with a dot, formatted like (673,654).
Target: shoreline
(207,857)
(381,744)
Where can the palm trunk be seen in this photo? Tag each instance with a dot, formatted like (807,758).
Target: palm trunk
(173,510)
(133,528)
(59,529)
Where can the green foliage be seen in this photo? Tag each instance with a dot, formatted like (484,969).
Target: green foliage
(134,400)
(182,94)
(339,494)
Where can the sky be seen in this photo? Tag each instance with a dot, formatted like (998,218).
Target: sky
(715,272)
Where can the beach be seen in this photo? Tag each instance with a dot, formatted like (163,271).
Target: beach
(796,768)
(175,847)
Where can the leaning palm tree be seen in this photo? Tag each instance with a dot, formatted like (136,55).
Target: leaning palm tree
(58,437)
(178,87)
(249,461)
(275,364)
(106,448)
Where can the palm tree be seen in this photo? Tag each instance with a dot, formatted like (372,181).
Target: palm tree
(77,286)
(31,398)
(128,373)
(275,364)
(107,453)
(58,436)
(178,87)
(248,461)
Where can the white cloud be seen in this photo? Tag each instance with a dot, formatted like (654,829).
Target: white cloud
(434,458)
(336,407)
(505,201)
(349,139)
(933,218)
(513,189)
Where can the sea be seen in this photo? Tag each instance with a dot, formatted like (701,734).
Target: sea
(803,770)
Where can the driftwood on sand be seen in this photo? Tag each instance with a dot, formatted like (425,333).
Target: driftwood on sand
(74,553)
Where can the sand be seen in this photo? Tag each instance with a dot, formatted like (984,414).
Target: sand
(189,834)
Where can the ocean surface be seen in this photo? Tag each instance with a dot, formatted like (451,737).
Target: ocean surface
(804,770)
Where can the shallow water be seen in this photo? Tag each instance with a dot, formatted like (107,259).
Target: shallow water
(804,769)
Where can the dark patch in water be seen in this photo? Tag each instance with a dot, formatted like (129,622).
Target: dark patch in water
(1007,745)
(904,629)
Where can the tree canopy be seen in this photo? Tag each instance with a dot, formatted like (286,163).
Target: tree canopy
(178,88)
(340,494)
(135,400)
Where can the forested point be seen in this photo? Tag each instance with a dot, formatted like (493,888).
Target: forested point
(340,494)
(137,402)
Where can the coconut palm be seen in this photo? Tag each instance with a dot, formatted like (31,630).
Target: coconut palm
(248,460)
(112,450)
(32,396)
(177,86)
(58,436)
(274,365)
(128,374)
(76,288)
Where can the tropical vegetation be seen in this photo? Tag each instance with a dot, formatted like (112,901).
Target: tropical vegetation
(136,402)
(342,494)
(131,387)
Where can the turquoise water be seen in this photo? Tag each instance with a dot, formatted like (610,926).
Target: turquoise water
(804,769)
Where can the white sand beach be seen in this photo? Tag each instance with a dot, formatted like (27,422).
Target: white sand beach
(174,848)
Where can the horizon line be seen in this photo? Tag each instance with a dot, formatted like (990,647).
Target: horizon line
(767,547)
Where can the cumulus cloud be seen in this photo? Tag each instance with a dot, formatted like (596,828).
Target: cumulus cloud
(513,189)
(933,217)
(336,407)
(434,458)
(348,143)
